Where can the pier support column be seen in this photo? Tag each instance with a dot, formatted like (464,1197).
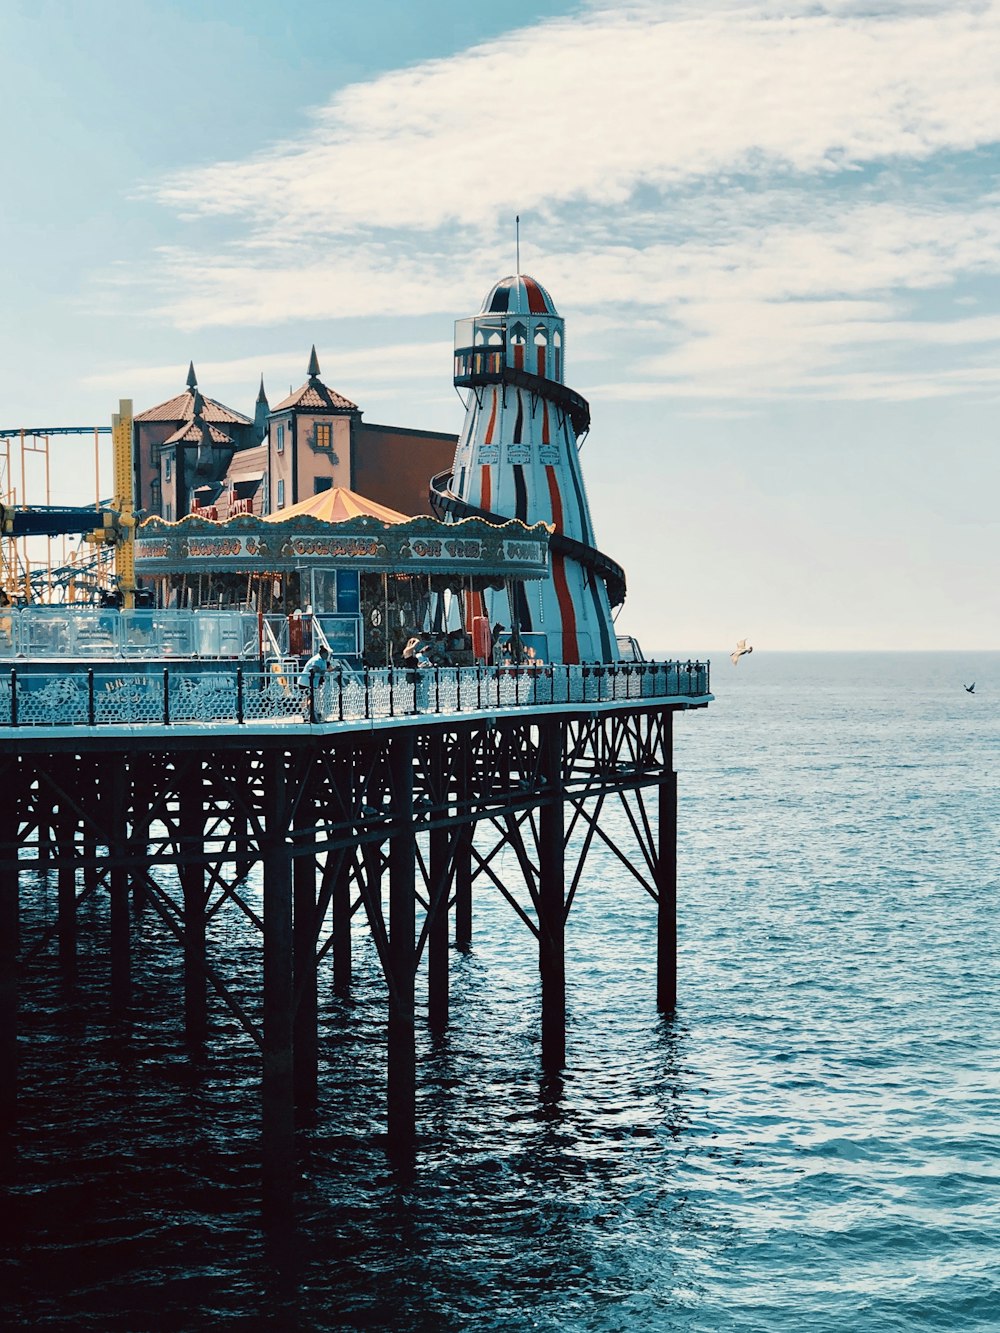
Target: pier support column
(241,822)
(277,1087)
(306,1037)
(9,928)
(463,888)
(44,807)
(342,924)
(463,852)
(121,961)
(143,793)
(551,898)
(66,891)
(192,829)
(402,918)
(438,943)
(666,877)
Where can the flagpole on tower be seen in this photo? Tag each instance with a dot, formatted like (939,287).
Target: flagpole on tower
(517,239)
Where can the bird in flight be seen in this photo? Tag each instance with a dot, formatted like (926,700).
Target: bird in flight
(971,689)
(741,647)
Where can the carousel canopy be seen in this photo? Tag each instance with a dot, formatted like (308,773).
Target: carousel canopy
(336,506)
(286,541)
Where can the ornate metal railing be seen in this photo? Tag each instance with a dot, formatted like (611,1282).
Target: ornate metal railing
(170,696)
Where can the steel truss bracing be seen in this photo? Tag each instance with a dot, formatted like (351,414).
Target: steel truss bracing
(397,827)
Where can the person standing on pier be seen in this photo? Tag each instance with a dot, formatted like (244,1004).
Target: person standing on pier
(314,671)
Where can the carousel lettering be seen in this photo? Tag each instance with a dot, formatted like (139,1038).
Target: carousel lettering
(424,547)
(352,546)
(465,549)
(524,551)
(153,550)
(215,546)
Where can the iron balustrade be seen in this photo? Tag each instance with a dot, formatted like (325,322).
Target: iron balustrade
(173,696)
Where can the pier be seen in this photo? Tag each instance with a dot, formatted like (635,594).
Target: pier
(378,801)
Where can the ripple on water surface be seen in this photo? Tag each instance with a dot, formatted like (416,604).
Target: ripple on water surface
(810,1143)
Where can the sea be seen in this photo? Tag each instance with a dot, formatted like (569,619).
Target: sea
(811,1143)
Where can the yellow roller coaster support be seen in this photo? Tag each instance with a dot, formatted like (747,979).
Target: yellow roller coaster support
(121,438)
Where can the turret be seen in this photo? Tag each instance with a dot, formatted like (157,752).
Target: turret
(517,458)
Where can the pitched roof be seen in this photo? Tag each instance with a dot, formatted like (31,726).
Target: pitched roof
(314,394)
(335,506)
(190,433)
(181,409)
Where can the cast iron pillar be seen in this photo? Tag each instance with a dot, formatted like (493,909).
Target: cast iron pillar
(66,893)
(342,921)
(277,1087)
(438,943)
(9,927)
(305,930)
(551,897)
(191,812)
(121,944)
(463,852)
(666,877)
(402,1072)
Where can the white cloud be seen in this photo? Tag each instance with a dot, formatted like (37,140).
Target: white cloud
(765,186)
(592,108)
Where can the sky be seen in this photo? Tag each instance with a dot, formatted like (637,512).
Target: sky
(772,229)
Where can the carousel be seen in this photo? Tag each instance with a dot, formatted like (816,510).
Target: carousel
(342,570)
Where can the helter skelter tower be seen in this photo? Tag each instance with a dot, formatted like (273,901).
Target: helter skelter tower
(518,457)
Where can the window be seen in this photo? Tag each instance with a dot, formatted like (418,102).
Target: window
(169,515)
(280,442)
(168,467)
(321,484)
(323,436)
(281,491)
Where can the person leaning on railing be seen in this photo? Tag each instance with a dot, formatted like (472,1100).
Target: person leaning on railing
(314,669)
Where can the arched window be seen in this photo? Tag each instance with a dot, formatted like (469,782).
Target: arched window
(541,347)
(557,353)
(518,338)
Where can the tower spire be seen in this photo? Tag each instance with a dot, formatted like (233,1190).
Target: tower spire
(314,364)
(192,379)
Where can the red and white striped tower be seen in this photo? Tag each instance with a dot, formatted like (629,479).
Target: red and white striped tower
(517,457)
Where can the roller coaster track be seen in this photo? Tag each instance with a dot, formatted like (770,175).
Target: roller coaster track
(444,501)
(48,520)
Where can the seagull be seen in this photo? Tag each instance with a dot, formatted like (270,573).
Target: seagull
(971,689)
(741,647)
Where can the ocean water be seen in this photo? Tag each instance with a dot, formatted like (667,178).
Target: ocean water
(811,1143)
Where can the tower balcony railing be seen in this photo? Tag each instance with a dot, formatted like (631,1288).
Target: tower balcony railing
(487,364)
(171,696)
